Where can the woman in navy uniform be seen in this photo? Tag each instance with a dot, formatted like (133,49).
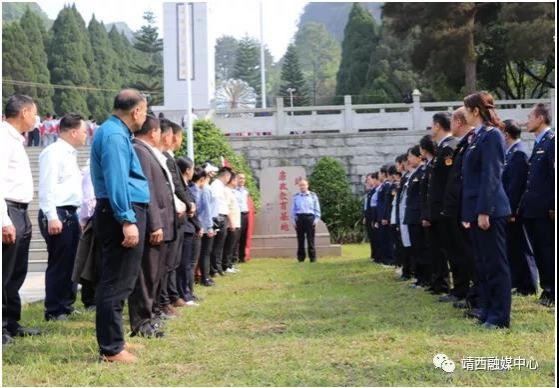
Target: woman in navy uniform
(485,208)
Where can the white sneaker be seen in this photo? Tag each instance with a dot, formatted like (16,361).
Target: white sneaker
(229,270)
(191,303)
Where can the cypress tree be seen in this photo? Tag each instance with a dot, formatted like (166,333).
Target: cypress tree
(68,62)
(33,28)
(360,39)
(16,61)
(247,65)
(292,77)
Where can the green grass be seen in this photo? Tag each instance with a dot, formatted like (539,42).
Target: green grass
(339,322)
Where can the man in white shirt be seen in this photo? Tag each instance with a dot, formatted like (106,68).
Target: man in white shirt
(242,195)
(60,195)
(222,204)
(16,191)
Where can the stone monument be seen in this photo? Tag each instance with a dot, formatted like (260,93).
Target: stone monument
(273,233)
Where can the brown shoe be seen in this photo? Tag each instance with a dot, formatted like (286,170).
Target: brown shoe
(169,310)
(124,357)
(129,347)
(180,302)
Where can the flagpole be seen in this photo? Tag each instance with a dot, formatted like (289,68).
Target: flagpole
(262,58)
(189,128)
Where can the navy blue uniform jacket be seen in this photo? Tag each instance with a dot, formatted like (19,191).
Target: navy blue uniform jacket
(515,173)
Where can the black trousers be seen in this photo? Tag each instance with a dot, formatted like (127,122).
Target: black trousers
(119,269)
(407,257)
(523,269)
(60,290)
(240,252)
(218,246)
(142,298)
(305,230)
(185,272)
(421,265)
(437,235)
(371,235)
(88,293)
(490,252)
(169,291)
(231,241)
(14,267)
(397,244)
(460,255)
(384,245)
(541,232)
(206,247)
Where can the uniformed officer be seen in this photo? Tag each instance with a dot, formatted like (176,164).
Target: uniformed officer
(485,209)
(305,214)
(438,224)
(524,272)
(384,206)
(371,182)
(399,175)
(537,206)
(460,246)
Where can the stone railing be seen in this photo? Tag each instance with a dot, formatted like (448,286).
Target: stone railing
(350,118)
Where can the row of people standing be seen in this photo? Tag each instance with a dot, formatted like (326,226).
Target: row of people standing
(468,213)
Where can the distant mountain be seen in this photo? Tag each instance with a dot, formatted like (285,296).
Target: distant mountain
(121,27)
(14,11)
(334,15)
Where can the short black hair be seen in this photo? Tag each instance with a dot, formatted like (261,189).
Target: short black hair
(176,128)
(150,123)
(70,121)
(401,158)
(16,103)
(166,125)
(512,128)
(233,176)
(128,99)
(224,170)
(392,170)
(90,117)
(415,151)
(542,110)
(199,173)
(374,175)
(384,169)
(443,119)
(427,144)
(184,163)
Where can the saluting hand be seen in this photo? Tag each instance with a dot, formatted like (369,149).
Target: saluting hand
(131,235)
(55,227)
(155,238)
(8,235)
(483,221)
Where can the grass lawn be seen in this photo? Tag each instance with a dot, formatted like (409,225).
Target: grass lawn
(339,322)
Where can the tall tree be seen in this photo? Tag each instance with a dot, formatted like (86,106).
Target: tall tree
(34,29)
(319,54)
(16,61)
(104,72)
(360,39)
(147,41)
(292,78)
(225,58)
(69,59)
(247,64)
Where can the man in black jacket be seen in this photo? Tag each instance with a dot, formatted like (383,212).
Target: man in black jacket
(369,208)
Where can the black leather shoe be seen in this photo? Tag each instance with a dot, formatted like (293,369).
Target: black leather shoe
(473,313)
(547,302)
(461,304)
(491,326)
(24,332)
(448,298)
(60,317)
(148,331)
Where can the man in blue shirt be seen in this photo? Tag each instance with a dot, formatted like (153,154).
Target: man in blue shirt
(122,194)
(305,214)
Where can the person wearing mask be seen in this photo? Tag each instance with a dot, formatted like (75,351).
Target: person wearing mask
(485,208)
(122,193)
(537,207)
(16,191)
(60,195)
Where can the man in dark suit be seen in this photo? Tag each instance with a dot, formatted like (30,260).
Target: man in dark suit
(524,272)
(427,149)
(537,207)
(160,230)
(371,182)
(384,205)
(439,225)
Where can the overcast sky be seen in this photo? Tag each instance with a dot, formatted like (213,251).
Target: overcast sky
(231,17)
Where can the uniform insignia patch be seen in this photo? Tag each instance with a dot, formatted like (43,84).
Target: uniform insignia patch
(448,161)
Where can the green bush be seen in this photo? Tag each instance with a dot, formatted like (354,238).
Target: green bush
(210,144)
(341,211)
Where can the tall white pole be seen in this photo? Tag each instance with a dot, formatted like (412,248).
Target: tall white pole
(262,58)
(187,48)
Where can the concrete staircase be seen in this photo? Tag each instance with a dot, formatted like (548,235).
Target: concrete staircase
(38,248)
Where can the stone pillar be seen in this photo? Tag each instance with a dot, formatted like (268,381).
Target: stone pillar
(348,116)
(280,118)
(416,118)
(552,107)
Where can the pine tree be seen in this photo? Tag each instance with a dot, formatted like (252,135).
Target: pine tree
(104,72)
(33,28)
(247,65)
(16,61)
(69,61)
(360,39)
(292,78)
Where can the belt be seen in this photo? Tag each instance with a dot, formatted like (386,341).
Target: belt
(244,212)
(18,205)
(105,201)
(68,208)
(305,214)
(223,215)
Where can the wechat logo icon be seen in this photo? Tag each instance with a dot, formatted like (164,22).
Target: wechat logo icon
(442,361)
